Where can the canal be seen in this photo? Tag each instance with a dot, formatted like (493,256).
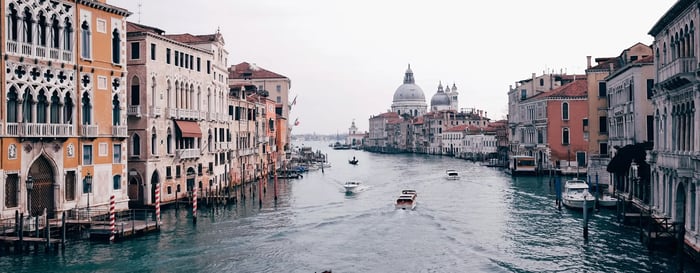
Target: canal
(484,222)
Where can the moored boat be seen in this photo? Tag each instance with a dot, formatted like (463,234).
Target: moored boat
(607,200)
(576,194)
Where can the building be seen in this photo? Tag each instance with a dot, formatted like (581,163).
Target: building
(596,131)
(409,98)
(354,137)
(178,113)
(674,172)
(64,65)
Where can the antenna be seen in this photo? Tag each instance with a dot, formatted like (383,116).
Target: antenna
(139,11)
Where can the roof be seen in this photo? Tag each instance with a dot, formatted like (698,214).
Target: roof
(670,15)
(134,27)
(577,88)
(187,38)
(458,128)
(246,70)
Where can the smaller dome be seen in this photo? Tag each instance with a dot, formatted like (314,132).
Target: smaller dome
(440,98)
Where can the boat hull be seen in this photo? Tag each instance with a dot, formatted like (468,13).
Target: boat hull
(406,206)
(576,203)
(350,189)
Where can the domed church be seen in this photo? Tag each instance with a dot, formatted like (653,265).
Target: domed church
(409,98)
(444,99)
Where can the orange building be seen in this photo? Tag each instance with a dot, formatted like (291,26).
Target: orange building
(62,63)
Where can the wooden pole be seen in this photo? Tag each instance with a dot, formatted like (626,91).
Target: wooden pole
(63,230)
(194,206)
(557,185)
(585,217)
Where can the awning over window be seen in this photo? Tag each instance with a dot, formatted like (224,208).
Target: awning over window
(189,128)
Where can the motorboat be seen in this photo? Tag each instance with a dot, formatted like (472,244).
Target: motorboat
(351,186)
(576,194)
(406,201)
(413,192)
(607,200)
(451,175)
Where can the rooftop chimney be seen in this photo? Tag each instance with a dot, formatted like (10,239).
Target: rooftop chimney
(589,61)
(612,67)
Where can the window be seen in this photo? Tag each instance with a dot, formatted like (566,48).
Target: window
(55,30)
(603,148)
(102,149)
(117,182)
(523,94)
(167,55)
(87,188)
(67,35)
(102,82)
(279,99)
(87,154)
(279,88)
(153,52)
(85,40)
(603,125)
(650,88)
(177,171)
(565,111)
(117,153)
(602,92)
(585,124)
(116,111)
(191,62)
(41,31)
(541,82)
(177,58)
(101,26)
(208,67)
(168,172)
(199,64)
(28,26)
(70,186)
(136,145)
(650,128)
(186,61)
(11,189)
(87,109)
(565,136)
(135,54)
(182,59)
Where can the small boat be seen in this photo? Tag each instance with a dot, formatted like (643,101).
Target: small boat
(351,186)
(406,201)
(575,193)
(353,161)
(451,175)
(607,200)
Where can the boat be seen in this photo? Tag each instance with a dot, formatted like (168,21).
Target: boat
(575,193)
(351,186)
(287,174)
(407,200)
(522,165)
(409,192)
(353,161)
(451,175)
(607,200)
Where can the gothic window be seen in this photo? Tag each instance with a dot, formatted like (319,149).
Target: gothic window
(135,93)
(136,145)
(68,109)
(12,22)
(12,104)
(28,22)
(116,111)
(85,41)
(54,32)
(27,107)
(67,33)
(55,108)
(86,109)
(41,107)
(42,29)
(116,47)
(565,136)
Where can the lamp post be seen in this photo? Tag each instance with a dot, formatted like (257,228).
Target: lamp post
(88,183)
(30,187)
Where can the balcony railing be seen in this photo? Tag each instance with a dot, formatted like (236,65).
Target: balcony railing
(54,53)
(120,131)
(12,46)
(27,49)
(187,153)
(156,111)
(39,130)
(89,130)
(41,51)
(134,110)
(67,56)
(677,66)
(171,113)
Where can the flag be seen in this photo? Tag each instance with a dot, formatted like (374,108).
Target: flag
(296,122)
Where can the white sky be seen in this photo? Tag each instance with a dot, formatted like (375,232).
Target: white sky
(346,58)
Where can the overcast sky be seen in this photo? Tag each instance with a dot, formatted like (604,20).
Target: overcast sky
(345,59)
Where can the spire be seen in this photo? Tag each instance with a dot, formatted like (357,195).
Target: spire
(454,87)
(408,78)
(447,88)
(440,87)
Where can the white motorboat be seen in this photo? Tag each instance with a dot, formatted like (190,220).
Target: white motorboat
(576,194)
(351,186)
(407,200)
(451,175)
(607,200)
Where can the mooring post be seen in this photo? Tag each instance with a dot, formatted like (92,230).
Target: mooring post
(63,230)
(585,217)
(47,232)
(20,233)
(194,207)
(557,185)
(597,192)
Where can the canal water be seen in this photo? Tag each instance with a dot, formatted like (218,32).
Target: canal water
(485,222)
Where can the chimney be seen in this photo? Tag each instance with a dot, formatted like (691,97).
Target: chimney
(612,67)
(589,61)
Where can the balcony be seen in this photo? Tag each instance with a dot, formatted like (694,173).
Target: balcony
(155,111)
(89,130)
(187,114)
(12,46)
(134,111)
(171,113)
(120,131)
(676,67)
(67,56)
(39,130)
(41,51)
(187,153)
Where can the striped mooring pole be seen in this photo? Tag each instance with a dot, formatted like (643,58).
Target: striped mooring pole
(157,205)
(112,222)
(194,205)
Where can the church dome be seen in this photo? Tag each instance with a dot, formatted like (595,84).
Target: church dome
(440,98)
(409,91)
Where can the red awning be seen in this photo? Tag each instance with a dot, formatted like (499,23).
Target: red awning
(189,128)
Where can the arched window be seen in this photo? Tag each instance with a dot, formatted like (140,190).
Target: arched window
(154,142)
(135,91)
(541,82)
(27,107)
(12,104)
(68,109)
(116,111)
(116,47)
(170,142)
(136,145)
(27,30)
(55,108)
(42,29)
(565,136)
(41,107)
(54,33)
(565,111)
(12,23)
(67,34)
(86,109)
(85,41)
